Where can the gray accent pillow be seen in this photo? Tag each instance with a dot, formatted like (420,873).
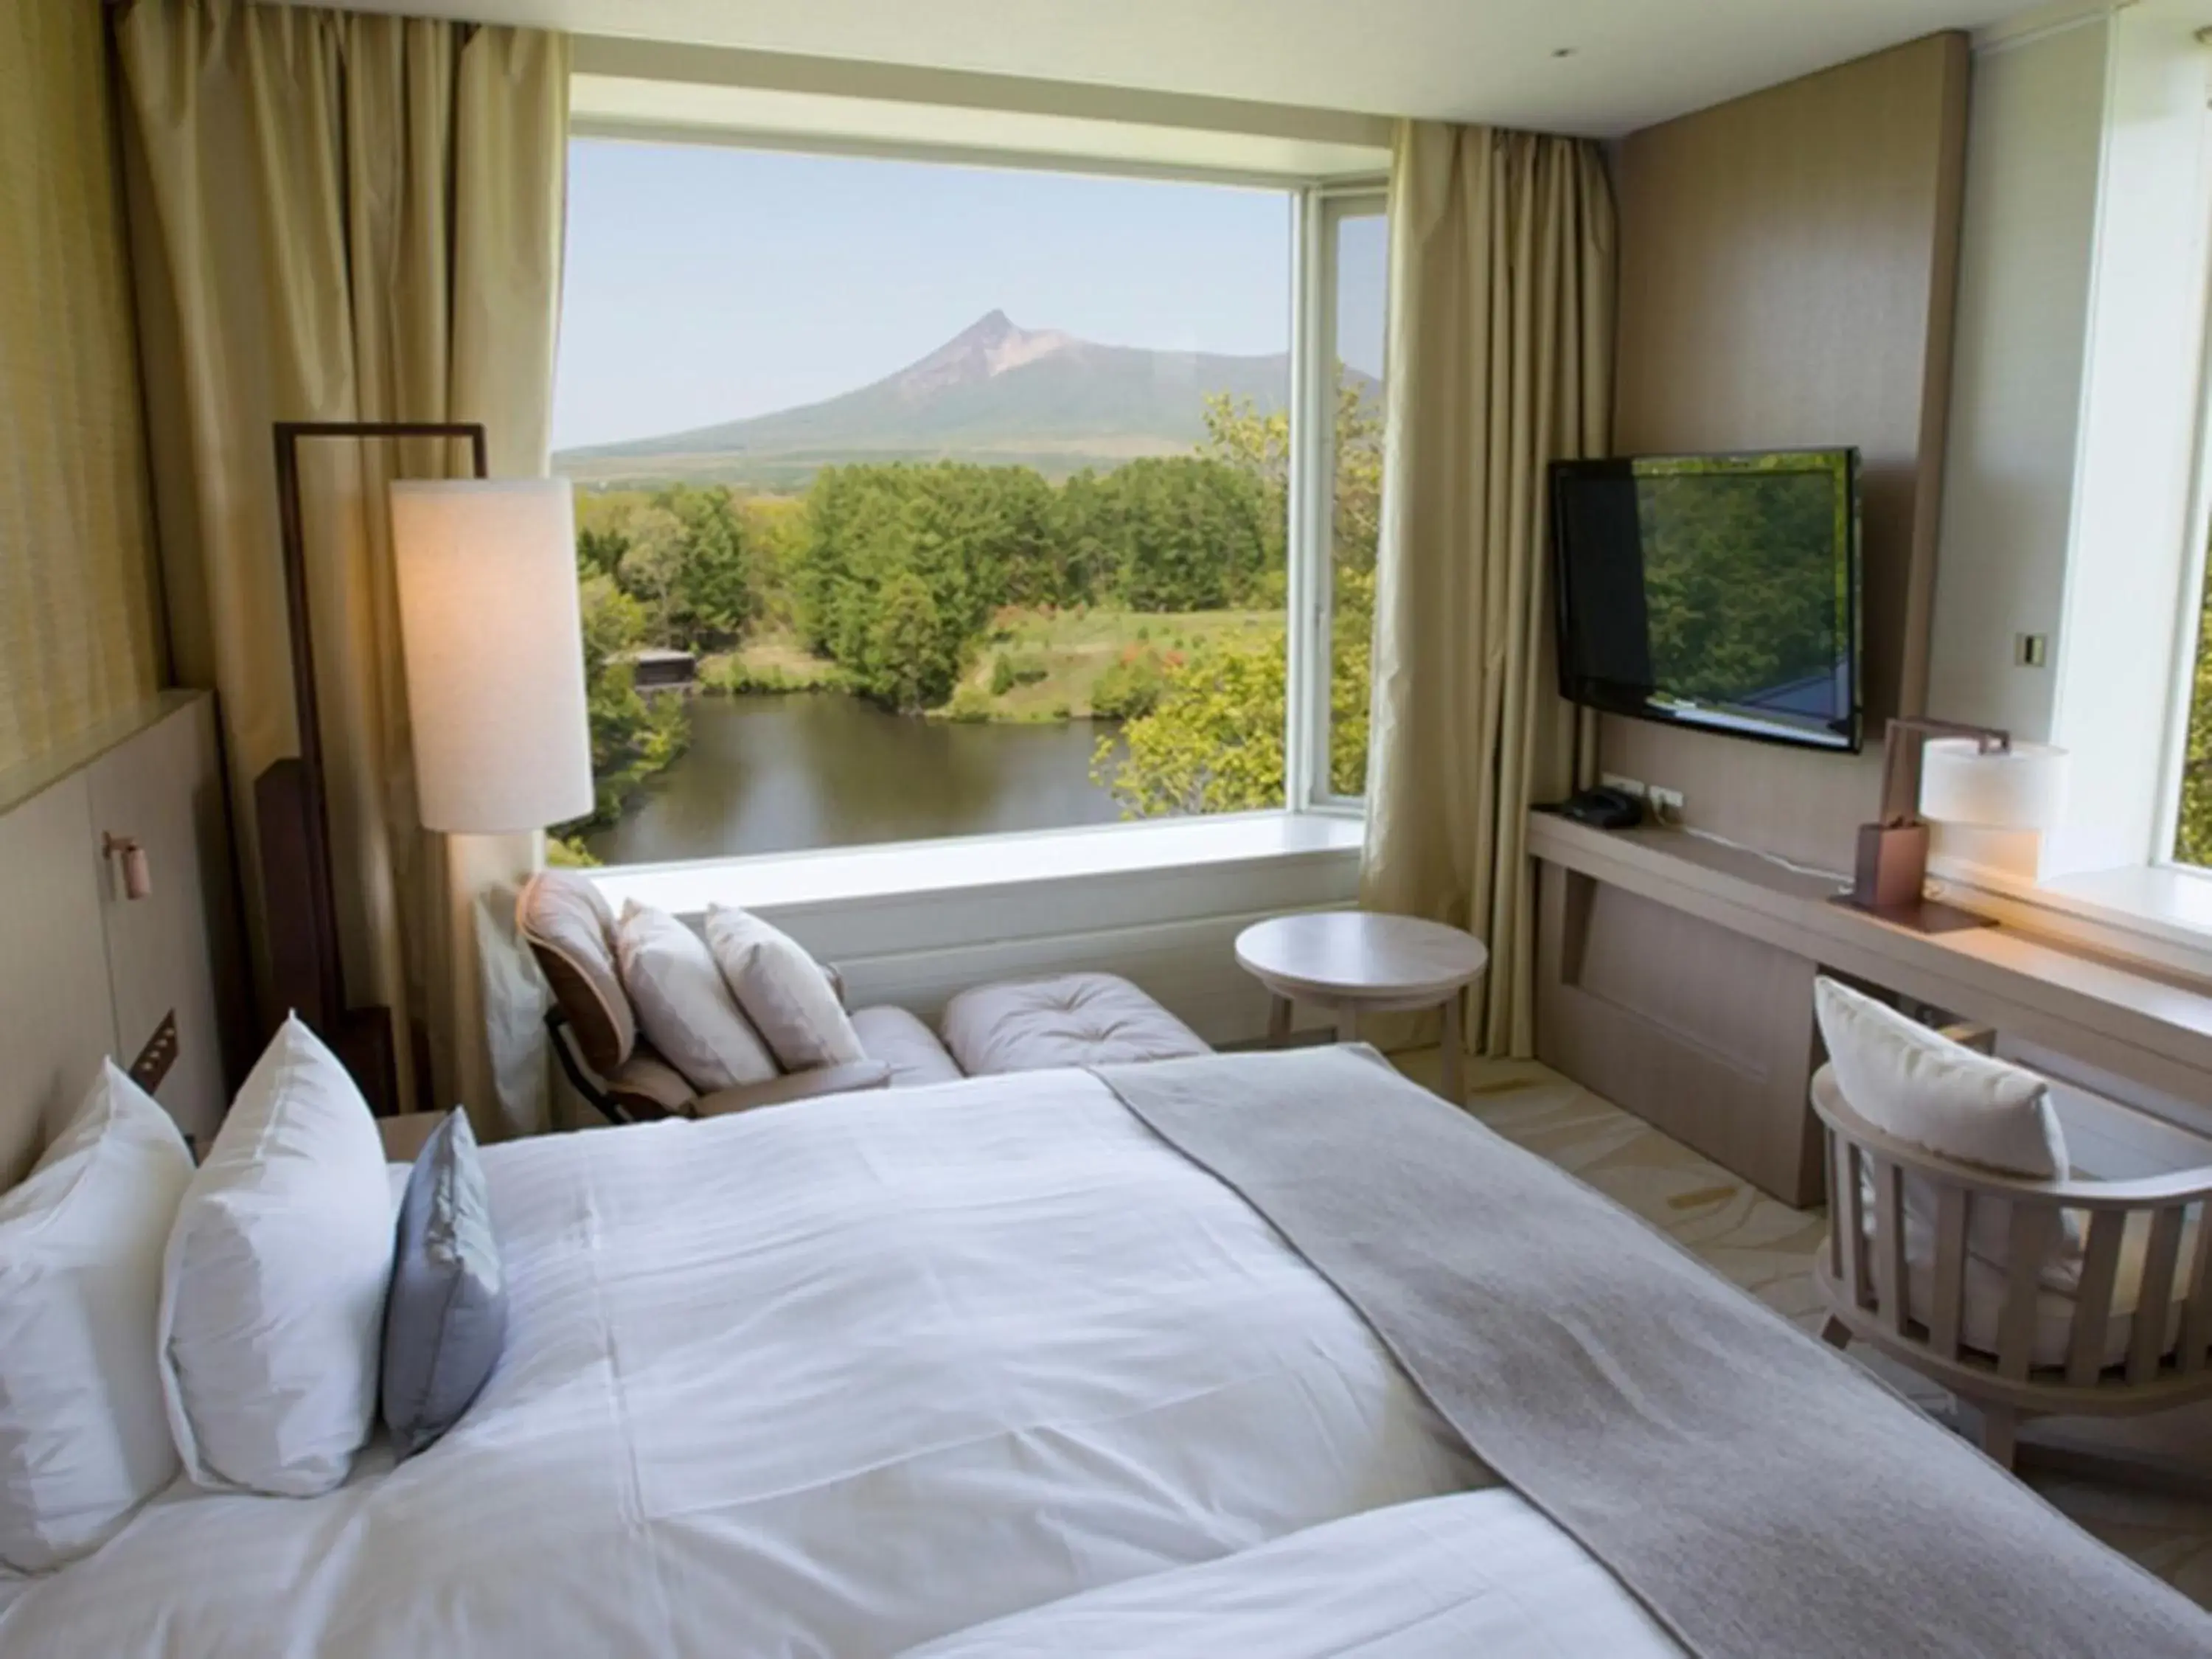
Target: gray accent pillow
(444,1321)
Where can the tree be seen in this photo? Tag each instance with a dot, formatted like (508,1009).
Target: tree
(651,569)
(1190,534)
(906,662)
(1213,739)
(1213,742)
(714,596)
(775,543)
(633,736)
(2192,842)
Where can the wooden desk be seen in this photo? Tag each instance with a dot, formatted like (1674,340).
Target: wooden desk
(1674,977)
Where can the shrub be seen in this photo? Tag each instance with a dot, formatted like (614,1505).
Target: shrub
(970,706)
(569,852)
(1129,689)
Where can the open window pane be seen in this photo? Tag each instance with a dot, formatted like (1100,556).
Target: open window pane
(2192,834)
(1359,251)
(921,500)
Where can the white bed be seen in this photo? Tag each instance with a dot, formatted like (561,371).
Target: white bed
(855,1375)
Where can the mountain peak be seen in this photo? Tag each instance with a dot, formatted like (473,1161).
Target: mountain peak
(983,351)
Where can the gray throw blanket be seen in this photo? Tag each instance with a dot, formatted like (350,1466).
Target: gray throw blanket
(1760,1493)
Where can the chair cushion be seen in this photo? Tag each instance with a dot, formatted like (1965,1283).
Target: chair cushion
(789,999)
(906,1045)
(1070,1019)
(1918,1086)
(571,932)
(1981,1308)
(682,1005)
(648,1086)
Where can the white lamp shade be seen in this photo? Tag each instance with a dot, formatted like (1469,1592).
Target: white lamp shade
(494,644)
(2022,787)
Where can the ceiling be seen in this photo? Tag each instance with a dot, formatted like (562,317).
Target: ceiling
(1629,63)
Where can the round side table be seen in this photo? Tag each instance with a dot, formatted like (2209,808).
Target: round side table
(1359,962)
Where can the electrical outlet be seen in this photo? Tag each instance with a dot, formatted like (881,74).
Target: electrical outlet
(1666,804)
(1626,785)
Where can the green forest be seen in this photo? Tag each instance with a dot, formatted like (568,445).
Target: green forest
(956,591)
(1744,591)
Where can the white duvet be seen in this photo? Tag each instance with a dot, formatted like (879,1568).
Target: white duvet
(850,1376)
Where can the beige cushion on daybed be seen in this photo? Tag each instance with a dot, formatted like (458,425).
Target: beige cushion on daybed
(682,1005)
(1069,1019)
(790,1000)
(571,932)
(910,1047)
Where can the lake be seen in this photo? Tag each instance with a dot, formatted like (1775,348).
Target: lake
(775,774)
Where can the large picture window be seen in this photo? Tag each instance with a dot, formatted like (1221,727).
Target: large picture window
(919,500)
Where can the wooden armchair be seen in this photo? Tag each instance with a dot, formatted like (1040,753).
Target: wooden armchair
(2129,1334)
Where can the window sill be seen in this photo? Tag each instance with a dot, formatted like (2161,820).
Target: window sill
(973,863)
(2157,913)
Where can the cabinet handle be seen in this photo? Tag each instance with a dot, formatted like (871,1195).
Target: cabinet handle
(137,873)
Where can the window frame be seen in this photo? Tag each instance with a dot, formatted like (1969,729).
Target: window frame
(2189,632)
(1318,218)
(1317,208)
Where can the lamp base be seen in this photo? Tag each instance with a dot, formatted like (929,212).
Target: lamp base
(1921,916)
(1891,866)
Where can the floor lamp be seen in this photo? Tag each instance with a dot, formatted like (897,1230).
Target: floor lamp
(291,813)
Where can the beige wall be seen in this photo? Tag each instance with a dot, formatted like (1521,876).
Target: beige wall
(2018,368)
(79,634)
(1788,262)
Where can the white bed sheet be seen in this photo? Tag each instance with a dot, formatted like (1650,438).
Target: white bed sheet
(1478,1573)
(837,1378)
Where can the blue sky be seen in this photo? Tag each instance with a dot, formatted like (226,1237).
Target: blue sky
(705,283)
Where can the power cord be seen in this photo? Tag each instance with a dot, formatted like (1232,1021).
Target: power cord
(1790,864)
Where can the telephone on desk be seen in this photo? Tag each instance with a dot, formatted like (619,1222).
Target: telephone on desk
(1603,808)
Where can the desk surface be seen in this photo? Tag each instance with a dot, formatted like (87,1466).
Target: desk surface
(2123,1016)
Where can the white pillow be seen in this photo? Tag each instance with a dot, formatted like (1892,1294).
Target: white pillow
(783,992)
(1918,1086)
(83,1439)
(272,1292)
(683,1007)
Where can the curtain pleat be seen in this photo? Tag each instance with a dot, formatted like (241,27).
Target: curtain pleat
(338,217)
(1499,362)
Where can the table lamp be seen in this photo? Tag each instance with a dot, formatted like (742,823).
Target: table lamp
(1974,776)
(492,634)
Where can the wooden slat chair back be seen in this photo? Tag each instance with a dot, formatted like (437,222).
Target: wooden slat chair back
(1865,1277)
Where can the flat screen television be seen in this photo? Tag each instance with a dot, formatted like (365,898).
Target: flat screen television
(1717,592)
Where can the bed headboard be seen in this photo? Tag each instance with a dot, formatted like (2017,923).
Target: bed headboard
(88,970)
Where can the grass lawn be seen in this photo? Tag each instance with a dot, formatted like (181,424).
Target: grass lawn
(772,662)
(1073,647)
(1056,656)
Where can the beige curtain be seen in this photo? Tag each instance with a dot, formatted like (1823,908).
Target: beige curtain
(343,217)
(1500,360)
